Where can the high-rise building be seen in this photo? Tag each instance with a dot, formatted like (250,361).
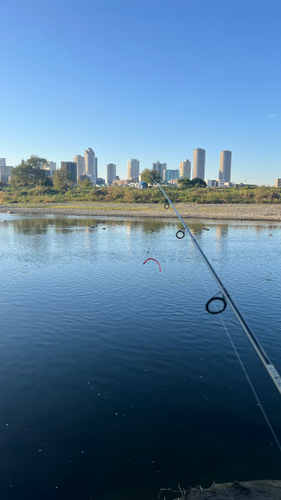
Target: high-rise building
(2,162)
(225,166)
(185,169)
(277,183)
(80,162)
(133,169)
(70,166)
(5,173)
(110,173)
(198,163)
(171,174)
(160,167)
(91,165)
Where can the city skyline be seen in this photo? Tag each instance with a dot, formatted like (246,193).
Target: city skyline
(219,85)
(133,167)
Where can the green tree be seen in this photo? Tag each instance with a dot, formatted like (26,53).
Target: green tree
(87,183)
(61,180)
(48,182)
(29,172)
(198,182)
(150,176)
(185,182)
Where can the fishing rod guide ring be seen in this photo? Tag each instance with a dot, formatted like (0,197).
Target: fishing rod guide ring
(180,232)
(167,205)
(222,299)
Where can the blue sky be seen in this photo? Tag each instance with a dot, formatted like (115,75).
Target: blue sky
(145,79)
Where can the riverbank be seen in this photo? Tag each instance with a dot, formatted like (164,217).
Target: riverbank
(246,212)
(256,490)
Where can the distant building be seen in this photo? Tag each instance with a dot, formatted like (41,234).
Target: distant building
(71,167)
(2,162)
(80,162)
(212,183)
(277,183)
(91,165)
(199,156)
(5,173)
(133,169)
(170,175)
(160,167)
(185,169)
(143,185)
(100,181)
(225,166)
(50,167)
(110,173)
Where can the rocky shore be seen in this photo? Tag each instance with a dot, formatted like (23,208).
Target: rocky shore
(254,490)
(246,212)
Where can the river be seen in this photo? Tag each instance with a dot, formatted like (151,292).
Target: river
(114,379)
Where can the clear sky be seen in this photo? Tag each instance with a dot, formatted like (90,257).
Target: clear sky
(145,79)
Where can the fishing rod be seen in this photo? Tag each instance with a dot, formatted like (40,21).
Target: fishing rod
(270,368)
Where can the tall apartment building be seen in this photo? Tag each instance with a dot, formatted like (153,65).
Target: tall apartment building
(133,169)
(277,183)
(185,169)
(80,162)
(5,173)
(50,167)
(2,162)
(71,167)
(110,173)
(171,174)
(199,156)
(160,167)
(225,166)
(91,165)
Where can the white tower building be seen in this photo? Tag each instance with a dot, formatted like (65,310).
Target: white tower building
(80,162)
(133,169)
(91,165)
(225,166)
(185,169)
(110,173)
(199,156)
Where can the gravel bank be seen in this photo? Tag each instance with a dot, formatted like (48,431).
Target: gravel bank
(254,490)
(262,212)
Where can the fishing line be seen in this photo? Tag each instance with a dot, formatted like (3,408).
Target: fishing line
(247,377)
(271,370)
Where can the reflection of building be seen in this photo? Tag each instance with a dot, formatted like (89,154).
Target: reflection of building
(5,173)
(277,183)
(185,169)
(80,162)
(110,173)
(160,167)
(91,165)
(133,169)
(199,156)
(169,175)
(225,166)
(222,230)
(70,166)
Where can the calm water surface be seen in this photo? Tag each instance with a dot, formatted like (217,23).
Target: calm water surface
(114,380)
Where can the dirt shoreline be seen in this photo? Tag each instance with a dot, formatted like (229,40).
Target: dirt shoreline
(256,490)
(245,212)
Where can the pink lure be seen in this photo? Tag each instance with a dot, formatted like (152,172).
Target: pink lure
(150,258)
